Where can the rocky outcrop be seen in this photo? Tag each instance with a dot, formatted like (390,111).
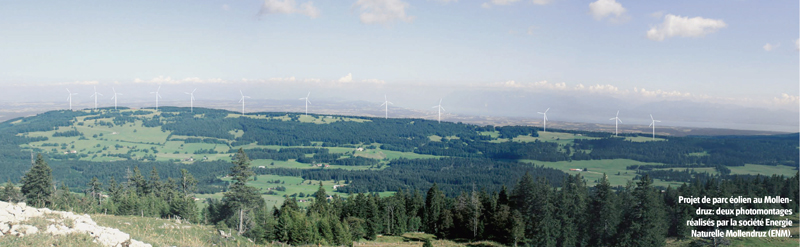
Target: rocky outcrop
(14,216)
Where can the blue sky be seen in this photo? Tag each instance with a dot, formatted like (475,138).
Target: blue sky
(727,52)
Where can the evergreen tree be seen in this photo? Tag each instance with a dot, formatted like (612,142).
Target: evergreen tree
(95,188)
(37,185)
(241,197)
(10,193)
(604,216)
(434,209)
(188,182)
(646,222)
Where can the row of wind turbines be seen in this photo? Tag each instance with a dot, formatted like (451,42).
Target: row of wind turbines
(385,104)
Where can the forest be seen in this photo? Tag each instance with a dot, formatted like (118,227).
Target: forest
(470,143)
(532,212)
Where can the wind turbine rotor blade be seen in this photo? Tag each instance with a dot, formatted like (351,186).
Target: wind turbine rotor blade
(540,112)
(390,103)
(545,117)
(617,113)
(613,118)
(442,108)
(194,90)
(651,116)
(545,111)
(308,95)
(620,120)
(384,103)
(651,124)
(240,93)
(657,121)
(309,102)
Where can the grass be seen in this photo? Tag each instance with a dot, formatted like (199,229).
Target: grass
(559,137)
(643,139)
(763,169)
(597,167)
(162,232)
(39,239)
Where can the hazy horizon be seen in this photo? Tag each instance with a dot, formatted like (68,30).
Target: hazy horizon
(716,64)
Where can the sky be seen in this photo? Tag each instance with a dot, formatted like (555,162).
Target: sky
(590,55)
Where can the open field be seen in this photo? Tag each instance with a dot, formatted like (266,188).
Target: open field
(762,169)
(643,139)
(293,185)
(163,232)
(598,167)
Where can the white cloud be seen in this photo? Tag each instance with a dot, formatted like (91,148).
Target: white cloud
(797,44)
(786,99)
(498,2)
(542,2)
(684,27)
(312,80)
(374,81)
(347,78)
(288,7)
(770,47)
(605,8)
(383,11)
(446,1)
(287,79)
(168,80)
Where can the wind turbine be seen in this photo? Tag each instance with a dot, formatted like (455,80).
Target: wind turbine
(386,103)
(440,109)
(157,95)
(70,98)
(115,97)
(653,123)
(191,99)
(616,123)
(95,94)
(545,118)
(307,102)
(241,100)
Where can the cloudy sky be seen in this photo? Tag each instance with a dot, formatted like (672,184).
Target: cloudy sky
(711,53)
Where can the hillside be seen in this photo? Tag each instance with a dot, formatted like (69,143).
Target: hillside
(108,143)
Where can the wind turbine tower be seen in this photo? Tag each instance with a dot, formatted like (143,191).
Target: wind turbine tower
(115,97)
(440,109)
(70,98)
(191,99)
(386,103)
(95,94)
(307,102)
(157,95)
(616,123)
(240,100)
(653,123)
(545,118)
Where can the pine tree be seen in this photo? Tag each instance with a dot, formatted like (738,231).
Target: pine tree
(646,221)
(434,208)
(10,193)
(604,215)
(37,185)
(188,182)
(95,187)
(240,197)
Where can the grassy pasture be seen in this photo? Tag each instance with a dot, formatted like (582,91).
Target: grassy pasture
(597,167)
(643,139)
(763,169)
